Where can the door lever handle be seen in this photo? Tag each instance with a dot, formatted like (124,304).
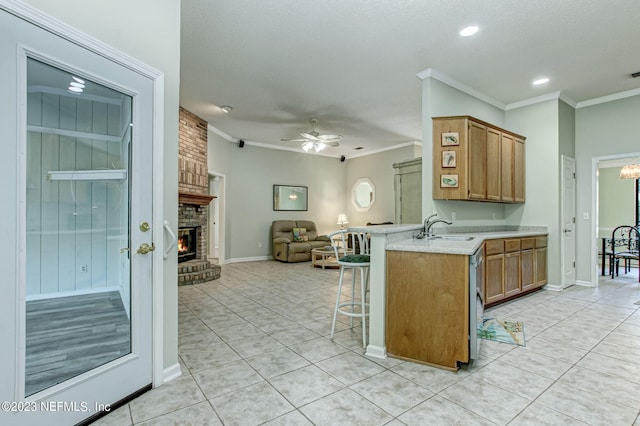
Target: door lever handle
(145,248)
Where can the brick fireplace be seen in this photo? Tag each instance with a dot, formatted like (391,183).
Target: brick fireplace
(193,202)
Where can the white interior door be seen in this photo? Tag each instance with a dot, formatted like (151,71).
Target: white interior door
(76,312)
(568,219)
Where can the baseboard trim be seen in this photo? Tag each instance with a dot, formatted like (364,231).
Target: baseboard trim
(379,352)
(248,259)
(553,287)
(170,373)
(584,283)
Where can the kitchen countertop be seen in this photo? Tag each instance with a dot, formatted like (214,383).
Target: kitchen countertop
(448,246)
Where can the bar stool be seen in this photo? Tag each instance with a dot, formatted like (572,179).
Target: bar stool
(352,252)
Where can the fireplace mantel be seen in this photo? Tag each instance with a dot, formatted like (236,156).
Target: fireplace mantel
(195,199)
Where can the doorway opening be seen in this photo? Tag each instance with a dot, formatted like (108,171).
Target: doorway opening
(216,220)
(616,203)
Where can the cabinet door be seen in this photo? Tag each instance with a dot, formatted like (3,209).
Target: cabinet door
(518,171)
(506,167)
(493,164)
(477,161)
(541,266)
(494,278)
(527,271)
(511,274)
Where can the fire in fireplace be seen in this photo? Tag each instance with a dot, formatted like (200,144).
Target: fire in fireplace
(187,244)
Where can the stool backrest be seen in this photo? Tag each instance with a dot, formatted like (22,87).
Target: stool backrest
(344,241)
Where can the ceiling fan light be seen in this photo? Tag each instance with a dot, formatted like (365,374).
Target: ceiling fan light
(320,146)
(307,146)
(630,171)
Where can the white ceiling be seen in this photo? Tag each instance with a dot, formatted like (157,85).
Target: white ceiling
(353,64)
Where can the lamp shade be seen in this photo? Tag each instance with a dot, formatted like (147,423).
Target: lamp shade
(630,171)
(342,219)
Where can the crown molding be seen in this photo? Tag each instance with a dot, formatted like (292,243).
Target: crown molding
(220,133)
(438,75)
(543,98)
(387,148)
(609,98)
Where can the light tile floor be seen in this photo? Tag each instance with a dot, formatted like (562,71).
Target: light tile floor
(254,349)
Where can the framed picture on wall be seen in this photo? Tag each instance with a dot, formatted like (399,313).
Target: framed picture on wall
(448,159)
(450,139)
(448,181)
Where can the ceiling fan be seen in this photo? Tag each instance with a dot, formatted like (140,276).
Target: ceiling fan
(314,140)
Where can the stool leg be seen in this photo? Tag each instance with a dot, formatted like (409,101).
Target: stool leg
(363,290)
(335,312)
(353,294)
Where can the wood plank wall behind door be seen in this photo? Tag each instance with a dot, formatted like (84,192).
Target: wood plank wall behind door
(73,227)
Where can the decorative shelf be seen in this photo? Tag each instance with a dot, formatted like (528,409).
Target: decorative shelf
(88,175)
(195,199)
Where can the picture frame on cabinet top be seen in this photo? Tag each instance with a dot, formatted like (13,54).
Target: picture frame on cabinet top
(450,139)
(448,159)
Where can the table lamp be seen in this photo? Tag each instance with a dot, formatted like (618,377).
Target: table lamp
(342,220)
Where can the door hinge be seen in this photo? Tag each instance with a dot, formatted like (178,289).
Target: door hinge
(574,265)
(574,219)
(574,175)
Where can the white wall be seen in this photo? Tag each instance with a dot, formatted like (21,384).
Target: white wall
(148,30)
(607,129)
(379,169)
(251,173)
(540,124)
(439,100)
(616,201)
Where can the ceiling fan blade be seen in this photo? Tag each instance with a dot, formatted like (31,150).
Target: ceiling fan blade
(329,138)
(332,144)
(309,136)
(294,140)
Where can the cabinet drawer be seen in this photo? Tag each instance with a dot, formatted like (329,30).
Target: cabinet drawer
(541,242)
(511,245)
(493,247)
(528,243)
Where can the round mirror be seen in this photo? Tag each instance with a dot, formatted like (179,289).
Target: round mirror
(363,194)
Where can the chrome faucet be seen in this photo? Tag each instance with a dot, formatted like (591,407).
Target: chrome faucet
(428,223)
(429,231)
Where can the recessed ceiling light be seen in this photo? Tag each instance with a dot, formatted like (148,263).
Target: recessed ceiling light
(540,81)
(469,31)
(226,109)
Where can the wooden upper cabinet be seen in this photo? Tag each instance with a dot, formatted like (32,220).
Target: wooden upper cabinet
(518,171)
(493,164)
(506,167)
(475,160)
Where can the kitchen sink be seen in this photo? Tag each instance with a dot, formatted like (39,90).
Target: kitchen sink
(452,237)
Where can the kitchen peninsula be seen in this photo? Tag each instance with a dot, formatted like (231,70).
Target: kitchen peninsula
(424,267)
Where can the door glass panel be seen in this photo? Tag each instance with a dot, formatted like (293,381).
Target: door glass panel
(77,236)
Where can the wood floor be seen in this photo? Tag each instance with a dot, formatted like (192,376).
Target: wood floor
(68,336)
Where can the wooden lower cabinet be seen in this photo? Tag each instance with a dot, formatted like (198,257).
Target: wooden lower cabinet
(527,271)
(514,267)
(512,274)
(494,278)
(541,266)
(427,307)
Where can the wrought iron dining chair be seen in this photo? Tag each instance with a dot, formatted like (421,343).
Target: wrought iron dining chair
(625,241)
